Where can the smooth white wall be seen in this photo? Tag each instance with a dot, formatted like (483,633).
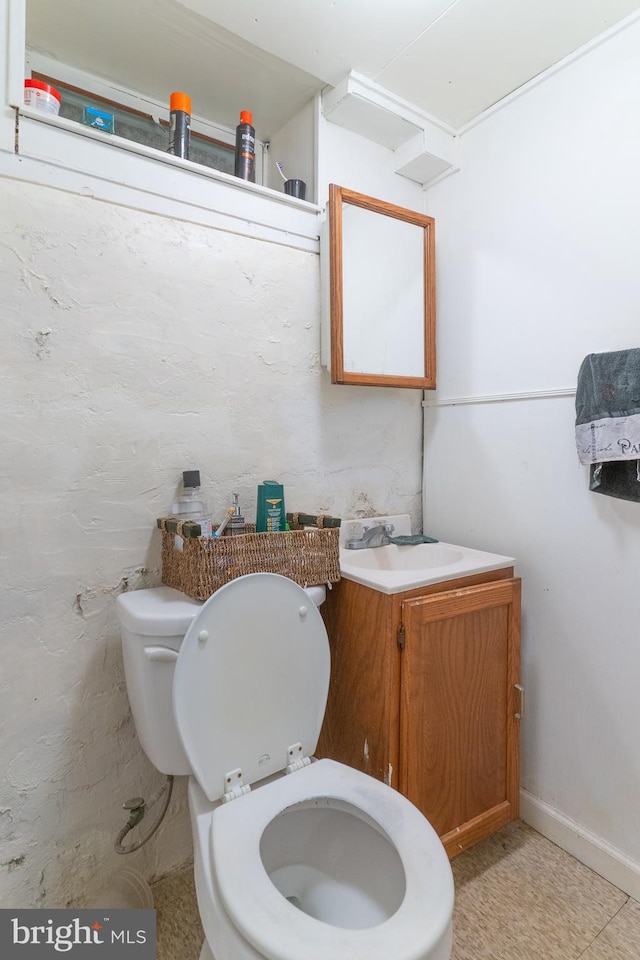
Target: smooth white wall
(136,346)
(538,252)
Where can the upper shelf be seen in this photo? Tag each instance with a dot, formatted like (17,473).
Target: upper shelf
(55,150)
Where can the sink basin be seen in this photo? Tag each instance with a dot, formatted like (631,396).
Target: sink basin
(392,569)
(422,556)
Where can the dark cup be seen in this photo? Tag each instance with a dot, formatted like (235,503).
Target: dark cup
(295,188)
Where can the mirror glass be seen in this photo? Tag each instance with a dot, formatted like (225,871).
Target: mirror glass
(382,292)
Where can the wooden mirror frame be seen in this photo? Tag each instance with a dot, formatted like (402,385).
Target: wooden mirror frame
(337,197)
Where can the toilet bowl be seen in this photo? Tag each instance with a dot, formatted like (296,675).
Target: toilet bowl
(295,859)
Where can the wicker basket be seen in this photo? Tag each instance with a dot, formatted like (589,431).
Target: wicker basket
(204,564)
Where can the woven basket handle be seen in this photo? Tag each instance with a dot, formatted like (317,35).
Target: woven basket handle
(312,520)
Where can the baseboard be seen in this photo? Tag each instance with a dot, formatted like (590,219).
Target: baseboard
(593,851)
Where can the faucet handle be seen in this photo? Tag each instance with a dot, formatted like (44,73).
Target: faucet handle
(389,528)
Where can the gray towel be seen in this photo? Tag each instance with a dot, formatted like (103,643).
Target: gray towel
(608,422)
(619,479)
(608,407)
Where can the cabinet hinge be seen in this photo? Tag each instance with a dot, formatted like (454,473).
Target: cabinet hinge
(401,636)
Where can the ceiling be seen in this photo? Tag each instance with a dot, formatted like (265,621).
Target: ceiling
(450,58)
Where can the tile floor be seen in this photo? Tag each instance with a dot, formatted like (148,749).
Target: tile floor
(518,897)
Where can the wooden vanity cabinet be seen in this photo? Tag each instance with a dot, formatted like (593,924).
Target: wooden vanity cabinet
(425,695)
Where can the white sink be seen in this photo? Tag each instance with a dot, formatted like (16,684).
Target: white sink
(392,569)
(422,556)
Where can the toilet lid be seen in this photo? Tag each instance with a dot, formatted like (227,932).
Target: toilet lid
(251,680)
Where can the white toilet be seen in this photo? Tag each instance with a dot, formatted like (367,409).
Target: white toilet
(294,859)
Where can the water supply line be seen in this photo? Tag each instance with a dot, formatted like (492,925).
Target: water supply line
(138,807)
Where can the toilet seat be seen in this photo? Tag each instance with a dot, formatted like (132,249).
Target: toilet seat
(279,931)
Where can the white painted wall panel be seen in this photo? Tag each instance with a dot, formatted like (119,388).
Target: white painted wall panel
(136,346)
(537,235)
(537,266)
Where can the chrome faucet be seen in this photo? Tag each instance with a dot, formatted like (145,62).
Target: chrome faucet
(372,537)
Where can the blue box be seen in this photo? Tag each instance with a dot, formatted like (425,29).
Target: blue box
(99,119)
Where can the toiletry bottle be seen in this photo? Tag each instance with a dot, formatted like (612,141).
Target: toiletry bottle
(179,124)
(190,505)
(245,165)
(236,520)
(270,513)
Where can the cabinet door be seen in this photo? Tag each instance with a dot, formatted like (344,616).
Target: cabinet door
(459,733)
(361,720)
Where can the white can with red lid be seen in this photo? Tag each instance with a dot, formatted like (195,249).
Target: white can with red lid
(42,96)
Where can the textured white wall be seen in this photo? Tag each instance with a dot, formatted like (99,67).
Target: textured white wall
(134,347)
(538,259)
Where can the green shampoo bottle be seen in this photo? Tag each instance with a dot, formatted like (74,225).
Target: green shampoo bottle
(270,513)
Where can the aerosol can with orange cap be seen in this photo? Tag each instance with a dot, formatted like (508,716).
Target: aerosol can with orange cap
(245,166)
(179,124)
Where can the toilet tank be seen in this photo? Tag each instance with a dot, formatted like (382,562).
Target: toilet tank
(152,626)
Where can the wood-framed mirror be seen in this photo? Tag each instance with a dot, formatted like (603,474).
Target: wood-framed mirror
(382,292)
